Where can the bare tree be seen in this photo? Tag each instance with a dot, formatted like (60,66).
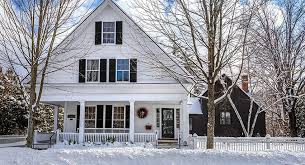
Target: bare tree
(202,40)
(29,32)
(279,54)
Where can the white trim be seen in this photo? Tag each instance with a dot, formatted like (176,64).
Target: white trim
(114,39)
(98,75)
(65,116)
(95,120)
(118,105)
(167,106)
(116,70)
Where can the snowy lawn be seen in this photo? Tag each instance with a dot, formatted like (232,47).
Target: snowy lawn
(144,156)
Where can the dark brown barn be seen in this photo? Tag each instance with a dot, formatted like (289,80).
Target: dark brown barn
(226,121)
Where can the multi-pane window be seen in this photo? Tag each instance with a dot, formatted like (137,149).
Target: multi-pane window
(177,118)
(225,118)
(158,117)
(118,117)
(90,117)
(108,32)
(122,70)
(92,70)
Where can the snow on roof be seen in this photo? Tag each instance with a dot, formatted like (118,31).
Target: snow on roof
(196,106)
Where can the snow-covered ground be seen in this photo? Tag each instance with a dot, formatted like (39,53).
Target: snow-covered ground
(144,156)
(21,143)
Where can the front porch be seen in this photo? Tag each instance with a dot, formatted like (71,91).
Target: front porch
(138,112)
(132,121)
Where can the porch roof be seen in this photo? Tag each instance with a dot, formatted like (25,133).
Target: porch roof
(113,92)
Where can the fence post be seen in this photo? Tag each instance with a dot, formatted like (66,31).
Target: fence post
(35,136)
(268,141)
(156,136)
(195,141)
(57,136)
(178,138)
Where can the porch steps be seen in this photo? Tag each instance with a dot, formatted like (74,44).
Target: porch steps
(168,143)
(42,145)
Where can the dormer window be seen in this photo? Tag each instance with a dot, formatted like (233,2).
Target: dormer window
(92,71)
(108,32)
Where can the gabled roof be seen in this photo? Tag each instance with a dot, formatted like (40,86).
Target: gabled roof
(229,82)
(103,5)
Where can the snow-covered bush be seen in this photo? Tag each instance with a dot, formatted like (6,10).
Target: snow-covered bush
(44,118)
(13,109)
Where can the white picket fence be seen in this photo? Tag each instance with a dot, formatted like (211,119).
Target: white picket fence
(145,137)
(250,143)
(104,137)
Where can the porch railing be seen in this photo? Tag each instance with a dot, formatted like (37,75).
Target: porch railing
(66,136)
(104,137)
(145,137)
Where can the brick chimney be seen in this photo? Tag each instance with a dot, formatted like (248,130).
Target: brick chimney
(245,83)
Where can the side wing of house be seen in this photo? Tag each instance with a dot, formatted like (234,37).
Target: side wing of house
(226,121)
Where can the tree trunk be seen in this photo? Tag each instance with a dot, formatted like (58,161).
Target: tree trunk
(292,124)
(32,106)
(30,130)
(211,116)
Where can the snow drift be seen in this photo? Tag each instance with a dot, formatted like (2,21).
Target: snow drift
(144,156)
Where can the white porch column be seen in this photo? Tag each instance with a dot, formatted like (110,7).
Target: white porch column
(131,125)
(185,119)
(55,118)
(81,122)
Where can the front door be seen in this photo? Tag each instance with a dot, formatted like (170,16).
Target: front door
(168,128)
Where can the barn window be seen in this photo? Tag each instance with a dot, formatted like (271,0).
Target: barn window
(225,118)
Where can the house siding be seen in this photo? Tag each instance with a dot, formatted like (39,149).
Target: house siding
(242,103)
(81,45)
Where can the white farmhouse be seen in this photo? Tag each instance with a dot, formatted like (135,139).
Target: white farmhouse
(109,85)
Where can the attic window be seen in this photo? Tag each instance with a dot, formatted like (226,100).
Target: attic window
(108,32)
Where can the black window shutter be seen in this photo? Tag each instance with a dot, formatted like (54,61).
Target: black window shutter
(133,70)
(112,70)
(103,70)
(77,117)
(108,116)
(99,116)
(127,116)
(98,33)
(82,70)
(119,32)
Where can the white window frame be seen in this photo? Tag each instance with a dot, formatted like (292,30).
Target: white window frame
(225,118)
(95,116)
(116,70)
(98,70)
(114,39)
(124,119)
(169,106)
